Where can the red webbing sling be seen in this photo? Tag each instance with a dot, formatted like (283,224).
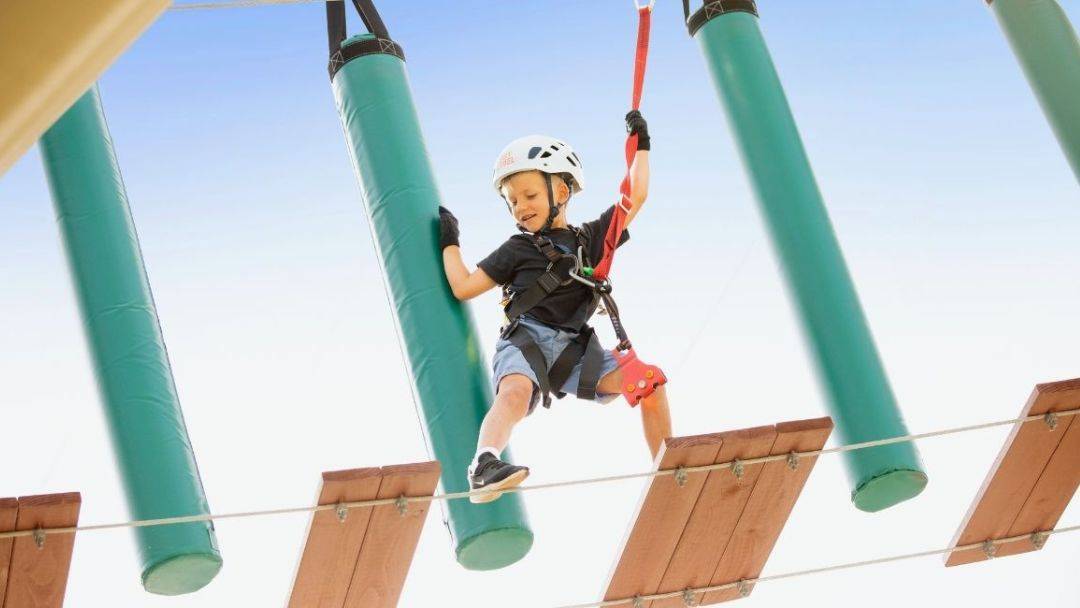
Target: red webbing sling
(618,220)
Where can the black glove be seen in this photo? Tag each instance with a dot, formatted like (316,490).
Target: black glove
(448,229)
(635,124)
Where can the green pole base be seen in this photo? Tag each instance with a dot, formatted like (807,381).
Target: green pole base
(889,489)
(494,549)
(180,574)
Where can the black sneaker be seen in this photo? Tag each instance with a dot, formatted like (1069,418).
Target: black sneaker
(494,474)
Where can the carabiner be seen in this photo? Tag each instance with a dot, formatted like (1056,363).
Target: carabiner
(648,5)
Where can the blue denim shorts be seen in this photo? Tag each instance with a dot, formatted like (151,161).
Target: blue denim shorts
(509,360)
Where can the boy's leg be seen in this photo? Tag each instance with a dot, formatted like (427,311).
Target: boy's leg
(487,471)
(510,407)
(655,414)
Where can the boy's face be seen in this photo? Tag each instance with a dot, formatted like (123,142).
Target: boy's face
(526,194)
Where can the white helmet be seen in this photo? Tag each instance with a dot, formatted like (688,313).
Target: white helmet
(539,153)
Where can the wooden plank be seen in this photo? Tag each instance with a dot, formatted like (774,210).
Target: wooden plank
(1016,473)
(391,538)
(770,504)
(1051,494)
(332,546)
(9,510)
(661,516)
(38,577)
(715,515)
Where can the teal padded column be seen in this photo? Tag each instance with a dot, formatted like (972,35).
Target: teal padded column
(157,464)
(446,364)
(861,401)
(1045,43)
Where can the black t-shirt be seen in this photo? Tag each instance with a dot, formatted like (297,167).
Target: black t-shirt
(517,263)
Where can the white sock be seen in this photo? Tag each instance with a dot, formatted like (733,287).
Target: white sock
(490,450)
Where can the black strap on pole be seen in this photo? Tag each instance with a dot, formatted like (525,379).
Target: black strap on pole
(714,8)
(336,32)
(372,21)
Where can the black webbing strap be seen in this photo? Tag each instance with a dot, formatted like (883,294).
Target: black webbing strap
(585,347)
(715,8)
(568,358)
(592,363)
(558,272)
(547,283)
(523,341)
(336,32)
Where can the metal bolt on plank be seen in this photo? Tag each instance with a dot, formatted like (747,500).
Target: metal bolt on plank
(402,505)
(39,538)
(737,468)
(342,512)
(745,588)
(1039,539)
(681,477)
(793,461)
(1051,420)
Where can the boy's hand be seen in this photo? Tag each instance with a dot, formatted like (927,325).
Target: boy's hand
(635,124)
(448,229)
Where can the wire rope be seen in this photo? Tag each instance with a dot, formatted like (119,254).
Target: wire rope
(1051,420)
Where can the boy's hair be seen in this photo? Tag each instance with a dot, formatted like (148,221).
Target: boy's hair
(566,179)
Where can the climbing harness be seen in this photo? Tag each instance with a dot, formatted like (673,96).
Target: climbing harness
(639,379)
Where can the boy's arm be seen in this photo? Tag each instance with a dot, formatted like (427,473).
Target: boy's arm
(465,285)
(639,184)
(639,169)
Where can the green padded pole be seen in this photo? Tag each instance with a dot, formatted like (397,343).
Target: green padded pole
(445,362)
(157,464)
(860,399)
(1045,43)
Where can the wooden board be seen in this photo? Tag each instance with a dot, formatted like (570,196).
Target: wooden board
(718,528)
(38,575)
(364,560)
(51,52)
(773,497)
(392,537)
(1031,482)
(715,515)
(333,546)
(661,517)
(9,509)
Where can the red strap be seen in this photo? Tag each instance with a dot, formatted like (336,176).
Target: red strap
(618,220)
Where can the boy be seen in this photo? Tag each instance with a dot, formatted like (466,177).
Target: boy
(536,176)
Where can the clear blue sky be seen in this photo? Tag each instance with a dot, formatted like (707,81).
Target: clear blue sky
(956,209)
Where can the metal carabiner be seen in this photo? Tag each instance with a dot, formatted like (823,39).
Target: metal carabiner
(577,277)
(648,5)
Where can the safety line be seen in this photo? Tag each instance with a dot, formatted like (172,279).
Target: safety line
(1051,420)
(193,6)
(744,586)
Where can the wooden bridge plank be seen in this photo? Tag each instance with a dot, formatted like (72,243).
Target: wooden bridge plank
(9,510)
(392,537)
(1051,494)
(771,501)
(332,546)
(661,516)
(715,515)
(1016,472)
(38,576)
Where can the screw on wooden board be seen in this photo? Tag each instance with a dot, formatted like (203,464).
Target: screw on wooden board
(681,477)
